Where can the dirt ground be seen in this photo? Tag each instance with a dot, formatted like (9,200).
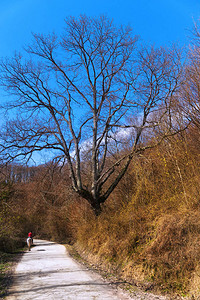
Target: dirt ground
(48,272)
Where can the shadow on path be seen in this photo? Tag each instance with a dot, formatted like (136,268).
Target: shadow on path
(47,272)
(64,285)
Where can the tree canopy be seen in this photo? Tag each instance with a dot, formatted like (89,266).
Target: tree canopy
(86,95)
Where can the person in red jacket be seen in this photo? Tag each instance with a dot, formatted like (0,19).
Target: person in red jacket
(30,235)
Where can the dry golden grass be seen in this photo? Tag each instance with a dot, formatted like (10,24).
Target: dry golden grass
(151,236)
(149,230)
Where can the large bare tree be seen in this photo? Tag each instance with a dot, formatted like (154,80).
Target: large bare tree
(84,93)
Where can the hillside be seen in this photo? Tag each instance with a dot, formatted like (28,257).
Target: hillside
(148,232)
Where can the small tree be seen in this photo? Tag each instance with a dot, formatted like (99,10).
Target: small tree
(83,93)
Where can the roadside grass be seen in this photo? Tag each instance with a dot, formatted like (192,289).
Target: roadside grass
(149,230)
(95,267)
(7,265)
(74,253)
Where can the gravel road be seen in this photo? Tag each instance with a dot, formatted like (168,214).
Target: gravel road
(47,272)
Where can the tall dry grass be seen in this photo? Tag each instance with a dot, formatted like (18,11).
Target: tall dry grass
(149,230)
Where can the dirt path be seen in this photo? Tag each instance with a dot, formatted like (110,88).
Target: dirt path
(47,272)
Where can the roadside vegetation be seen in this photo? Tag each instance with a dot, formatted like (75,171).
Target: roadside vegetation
(148,232)
(8,262)
(5,266)
(128,204)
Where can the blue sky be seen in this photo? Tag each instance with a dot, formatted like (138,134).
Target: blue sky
(159,22)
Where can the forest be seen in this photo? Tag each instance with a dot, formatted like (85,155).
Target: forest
(120,123)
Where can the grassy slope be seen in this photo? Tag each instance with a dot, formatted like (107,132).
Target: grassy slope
(7,264)
(149,231)
(8,261)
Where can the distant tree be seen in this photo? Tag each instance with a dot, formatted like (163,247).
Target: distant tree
(89,92)
(190,93)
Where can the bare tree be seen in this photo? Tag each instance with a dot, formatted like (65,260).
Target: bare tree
(81,93)
(190,93)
